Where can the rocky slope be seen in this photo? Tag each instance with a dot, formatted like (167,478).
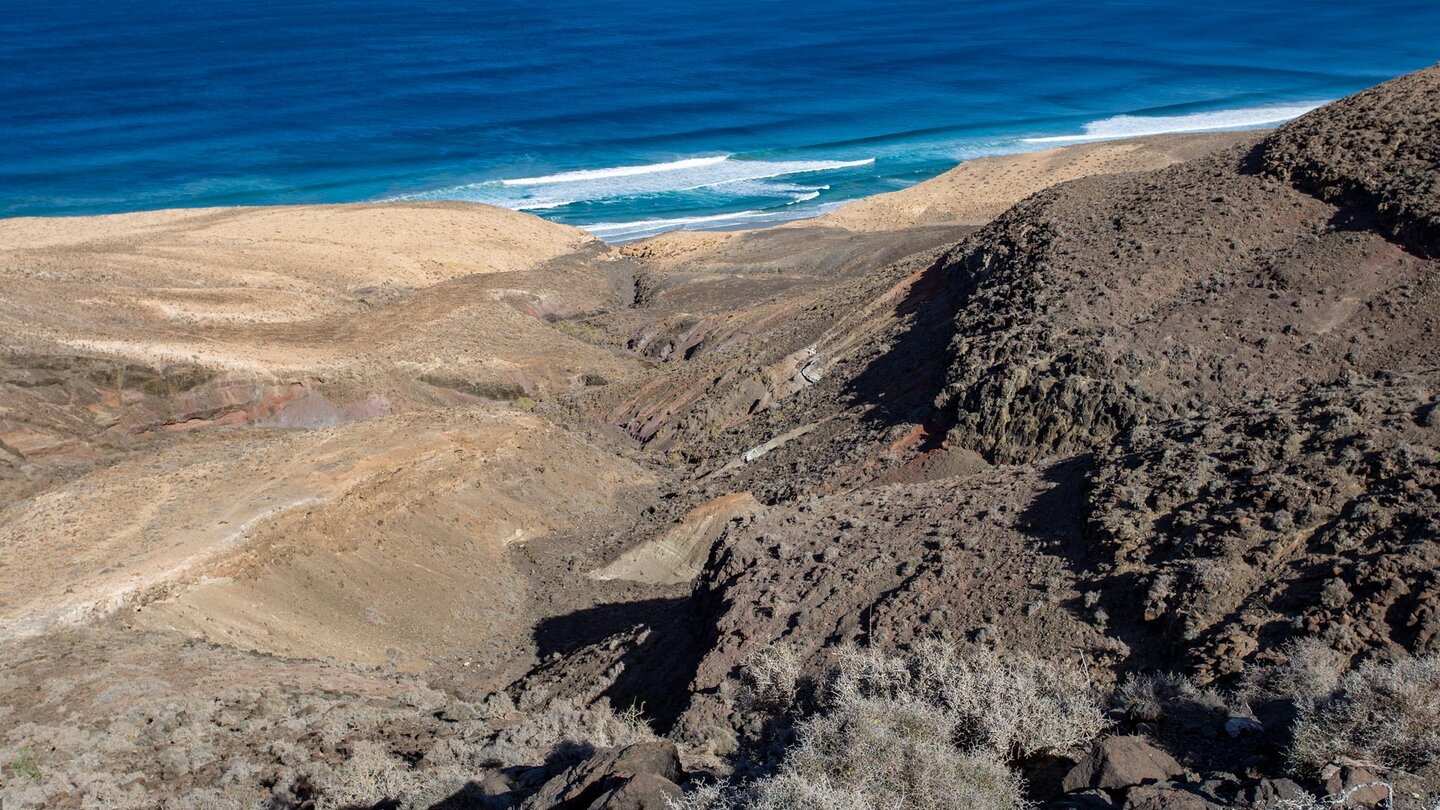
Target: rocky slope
(407,505)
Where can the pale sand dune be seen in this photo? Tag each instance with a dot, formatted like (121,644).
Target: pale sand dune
(284,247)
(348,289)
(977,191)
(378,538)
(163,269)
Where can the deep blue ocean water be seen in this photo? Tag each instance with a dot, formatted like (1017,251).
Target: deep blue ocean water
(633,116)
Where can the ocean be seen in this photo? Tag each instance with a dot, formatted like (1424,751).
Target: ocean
(631,118)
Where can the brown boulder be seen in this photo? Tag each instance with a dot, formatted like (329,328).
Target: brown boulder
(643,791)
(1361,786)
(1086,800)
(582,784)
(1117,763)
(1270,792)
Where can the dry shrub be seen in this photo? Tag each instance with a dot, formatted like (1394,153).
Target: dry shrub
(1159,696)
(561,733)
(1310,673)
(1384,713)
(870,756)
(932,729)
(708,796)
(372,775)
(1149,697)
(568,730)
(770,681)
(1013,706)
(880,752)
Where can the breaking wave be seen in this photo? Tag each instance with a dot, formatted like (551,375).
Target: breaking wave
(1131,126)
(734,177)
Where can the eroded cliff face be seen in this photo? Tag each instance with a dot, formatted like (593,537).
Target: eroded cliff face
(472,479)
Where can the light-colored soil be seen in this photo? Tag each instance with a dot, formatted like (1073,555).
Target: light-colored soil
(977,191)
(371,541)
(348,291)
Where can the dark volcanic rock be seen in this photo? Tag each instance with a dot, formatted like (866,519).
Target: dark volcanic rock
(1270,792)
(1113,301)
(983,558)
(1378,150)
(584,783)
(643,791)
(1361,786)
(1118,763)
(1300,516)
(1166,797)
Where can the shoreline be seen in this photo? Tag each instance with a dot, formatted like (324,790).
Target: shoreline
(943,199)
(1120,127)
(780,185)
(913,205)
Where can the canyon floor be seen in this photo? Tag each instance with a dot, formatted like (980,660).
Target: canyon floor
(425,504)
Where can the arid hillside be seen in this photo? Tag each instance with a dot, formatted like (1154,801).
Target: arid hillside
(1101,477)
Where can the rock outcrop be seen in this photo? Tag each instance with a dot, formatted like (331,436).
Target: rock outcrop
(1109,302)
(1375,152)
(1314,514)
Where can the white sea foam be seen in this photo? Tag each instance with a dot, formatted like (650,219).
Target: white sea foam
(777,185)
(1130,126)
(725,175)
(536,206)
(618,171)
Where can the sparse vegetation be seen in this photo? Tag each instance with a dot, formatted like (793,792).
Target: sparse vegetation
(932,729)
(1156,697)
(565,731)
(1337,801)
(1310,673)
(372,774)
(770,682)
(1013,706)
(24,767)
(1385,713)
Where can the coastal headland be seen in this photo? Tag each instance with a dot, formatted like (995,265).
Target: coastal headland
(435,504)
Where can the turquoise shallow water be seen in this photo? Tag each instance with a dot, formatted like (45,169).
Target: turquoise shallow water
(633,117)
